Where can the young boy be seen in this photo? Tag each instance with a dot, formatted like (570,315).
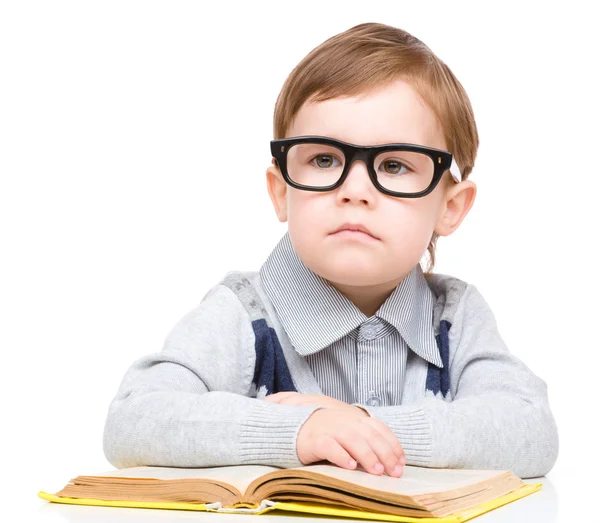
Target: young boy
(341,348)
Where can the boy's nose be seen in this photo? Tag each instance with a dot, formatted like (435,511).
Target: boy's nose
(357,185)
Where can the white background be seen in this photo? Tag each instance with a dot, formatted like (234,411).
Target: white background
(134,138)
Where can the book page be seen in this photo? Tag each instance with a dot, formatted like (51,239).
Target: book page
(237,476)
(414,480)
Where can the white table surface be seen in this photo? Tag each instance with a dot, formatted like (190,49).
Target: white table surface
(541,506)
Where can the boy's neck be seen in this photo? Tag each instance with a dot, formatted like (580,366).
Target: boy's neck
(367,299)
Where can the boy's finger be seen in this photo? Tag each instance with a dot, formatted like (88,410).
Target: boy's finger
(296,399)
(333,452)
(307,399)
(357,445)
(384,452)
(390,437)
(279,396)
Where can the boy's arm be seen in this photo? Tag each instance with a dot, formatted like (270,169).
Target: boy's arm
(187,405)
(499,417)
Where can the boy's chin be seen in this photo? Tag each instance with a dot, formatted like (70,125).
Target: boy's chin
(352,274)
(353,282)
(356,270)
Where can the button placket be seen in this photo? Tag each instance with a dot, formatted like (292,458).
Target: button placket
(368,332)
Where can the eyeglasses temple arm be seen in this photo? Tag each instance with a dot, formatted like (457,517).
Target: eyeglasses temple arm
(455,171)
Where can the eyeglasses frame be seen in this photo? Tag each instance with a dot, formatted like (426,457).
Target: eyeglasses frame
(442,161)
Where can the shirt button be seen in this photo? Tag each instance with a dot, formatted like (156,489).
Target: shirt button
(374,401)
(369,332)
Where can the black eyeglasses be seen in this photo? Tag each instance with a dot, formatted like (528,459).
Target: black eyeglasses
(319,163)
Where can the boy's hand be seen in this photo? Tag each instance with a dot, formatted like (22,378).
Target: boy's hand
(346,437)
(295,398)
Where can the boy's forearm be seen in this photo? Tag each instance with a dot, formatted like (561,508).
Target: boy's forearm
(183,429)
(495,431)
(187,405)
(498,416)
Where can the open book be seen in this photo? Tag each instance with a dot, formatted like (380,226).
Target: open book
(451,494)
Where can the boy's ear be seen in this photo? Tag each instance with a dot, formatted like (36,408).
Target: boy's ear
(277,190)
(456,203)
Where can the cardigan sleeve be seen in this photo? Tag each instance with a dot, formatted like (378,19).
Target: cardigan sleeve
(499,416)
(189,405)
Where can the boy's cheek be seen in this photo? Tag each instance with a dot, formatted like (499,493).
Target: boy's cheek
(309,214)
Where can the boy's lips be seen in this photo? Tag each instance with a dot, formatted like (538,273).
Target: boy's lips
(354,227)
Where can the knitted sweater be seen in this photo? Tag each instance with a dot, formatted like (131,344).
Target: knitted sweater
(198,402)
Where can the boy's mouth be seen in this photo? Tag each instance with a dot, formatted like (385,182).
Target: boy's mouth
(356,228)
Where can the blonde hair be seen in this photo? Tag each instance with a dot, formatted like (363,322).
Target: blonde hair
(368,56)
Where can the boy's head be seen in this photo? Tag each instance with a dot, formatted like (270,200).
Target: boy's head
(372,85)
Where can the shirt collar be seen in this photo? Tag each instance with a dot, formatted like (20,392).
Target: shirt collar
(315,314)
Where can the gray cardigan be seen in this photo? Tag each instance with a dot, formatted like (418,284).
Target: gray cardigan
(195,404)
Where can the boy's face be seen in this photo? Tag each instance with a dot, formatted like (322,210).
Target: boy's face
(403,226)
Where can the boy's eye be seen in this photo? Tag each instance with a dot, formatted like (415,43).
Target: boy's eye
(324,161)
(393,166)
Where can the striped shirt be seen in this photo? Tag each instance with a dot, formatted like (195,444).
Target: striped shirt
(354,358)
